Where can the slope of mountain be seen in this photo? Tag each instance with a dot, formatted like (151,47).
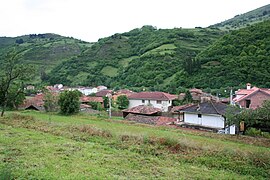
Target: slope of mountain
(144,57)
(246,19)
(239,57)
(43,50)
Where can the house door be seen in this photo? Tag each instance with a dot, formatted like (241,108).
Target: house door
(200,119)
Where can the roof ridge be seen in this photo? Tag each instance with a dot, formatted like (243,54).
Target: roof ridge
(247,95)
(215,107)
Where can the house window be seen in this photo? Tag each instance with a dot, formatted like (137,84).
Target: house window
(199,115)
(169,101)
(149,102)
(143,101)
(158,102)
(248,103)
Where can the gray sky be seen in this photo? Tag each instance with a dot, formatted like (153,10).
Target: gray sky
(90,20)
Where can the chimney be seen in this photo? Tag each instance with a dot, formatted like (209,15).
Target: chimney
(248,86)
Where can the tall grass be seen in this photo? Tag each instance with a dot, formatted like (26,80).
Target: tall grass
(187,149)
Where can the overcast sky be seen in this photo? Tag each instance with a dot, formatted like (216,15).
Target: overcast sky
(90,20)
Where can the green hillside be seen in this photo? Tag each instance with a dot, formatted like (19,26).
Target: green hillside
(143,57)
(43,50)
(154,59)
(237,58)
(246,19)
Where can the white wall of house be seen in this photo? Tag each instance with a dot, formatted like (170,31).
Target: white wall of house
(87,91)
(216,121)
(163,105)
(230,129)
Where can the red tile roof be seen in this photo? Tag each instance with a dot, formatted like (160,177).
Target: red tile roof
(147,110)
(153,96)
(91,99)
(82,106)
(36,101)
(153,120)
(124,91)
(178,108)
(103,92)
(248,92)
(195,90)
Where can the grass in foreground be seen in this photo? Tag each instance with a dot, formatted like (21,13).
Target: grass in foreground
(79,147)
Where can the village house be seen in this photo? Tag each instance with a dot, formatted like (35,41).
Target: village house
(103,93)
(84,107)
(206,115)
(121,92)
(52,89)
(58,86)
(156,99)
(33,103)
(199,96)
(88,99)
(147,115)
(30,87)
(100,88)
(176,112)
(87,90)
(251,97)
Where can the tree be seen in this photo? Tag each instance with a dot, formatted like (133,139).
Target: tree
(19,41)
(50,102)
(232,116)
(96,105)
(15,97)
(259,118)
(106,102)
(262,115)
(122,102)
(69,102)
(12,77)
(188,97)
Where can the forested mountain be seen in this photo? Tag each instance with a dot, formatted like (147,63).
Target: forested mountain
(43,50)
(246,19)
(239,57)
(169,60)
(153,59)
(143,57)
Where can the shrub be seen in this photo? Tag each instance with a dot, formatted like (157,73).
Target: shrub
(5,173)
(253,132)
(69,102)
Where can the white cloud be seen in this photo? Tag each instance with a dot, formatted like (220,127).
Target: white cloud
(91,20)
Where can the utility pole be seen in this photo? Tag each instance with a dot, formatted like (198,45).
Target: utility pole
(231,97)
(109,95)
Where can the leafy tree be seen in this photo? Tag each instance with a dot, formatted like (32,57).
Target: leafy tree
(106,102)
(231,115)
(176,102)
(259,118)
(69,102)
(96,106)
(12,76)
(262,115)
(15,97)
(122,102)
(19,41)
(50,102)
(188,97)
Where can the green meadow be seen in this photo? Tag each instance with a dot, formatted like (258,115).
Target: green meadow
(36,145)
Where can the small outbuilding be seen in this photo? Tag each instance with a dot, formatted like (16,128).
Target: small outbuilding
(147,115)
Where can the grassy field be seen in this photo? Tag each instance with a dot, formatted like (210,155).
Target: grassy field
(109,71)
(36,145)
(163,49)
(126,61)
